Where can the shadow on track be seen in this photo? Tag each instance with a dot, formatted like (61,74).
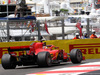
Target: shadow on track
(62,64)
(36,66)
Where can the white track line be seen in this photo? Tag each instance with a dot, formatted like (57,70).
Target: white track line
(74,70)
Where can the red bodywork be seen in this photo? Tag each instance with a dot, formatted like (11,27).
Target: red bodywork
(40,54)
(35,48)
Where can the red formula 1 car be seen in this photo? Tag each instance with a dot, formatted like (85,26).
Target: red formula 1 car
(39,53)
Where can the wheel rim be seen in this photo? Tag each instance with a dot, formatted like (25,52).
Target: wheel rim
(79,55)
(48,60)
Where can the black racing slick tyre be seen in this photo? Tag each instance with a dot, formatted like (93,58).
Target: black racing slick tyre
(44,59)
(76,56)
(8,61)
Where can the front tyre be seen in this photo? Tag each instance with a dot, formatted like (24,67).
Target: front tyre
(76,56)
(44,59)
(8,61)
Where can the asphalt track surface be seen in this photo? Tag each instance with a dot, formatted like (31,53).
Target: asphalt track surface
(23,70)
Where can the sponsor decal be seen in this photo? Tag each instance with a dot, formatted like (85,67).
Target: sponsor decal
(5,51)
(86,48)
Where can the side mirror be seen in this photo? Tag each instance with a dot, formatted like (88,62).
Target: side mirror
(56,47)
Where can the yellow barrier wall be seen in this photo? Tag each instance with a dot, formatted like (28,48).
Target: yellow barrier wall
(5,45)
(90,47)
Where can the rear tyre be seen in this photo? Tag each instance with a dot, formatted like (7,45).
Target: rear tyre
(8,61)
(44,59)
(76,56)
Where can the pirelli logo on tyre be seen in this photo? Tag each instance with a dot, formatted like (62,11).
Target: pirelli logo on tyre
(93,48)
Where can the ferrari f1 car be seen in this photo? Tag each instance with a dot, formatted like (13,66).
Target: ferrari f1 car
(39,53)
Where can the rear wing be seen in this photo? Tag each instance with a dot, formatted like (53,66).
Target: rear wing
(18,48)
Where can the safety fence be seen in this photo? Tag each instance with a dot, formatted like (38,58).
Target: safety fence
(89,47)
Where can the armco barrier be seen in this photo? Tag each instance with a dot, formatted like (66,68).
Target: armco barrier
(90,47)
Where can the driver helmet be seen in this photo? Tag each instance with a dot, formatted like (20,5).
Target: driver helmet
(93,31)
(77,34)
